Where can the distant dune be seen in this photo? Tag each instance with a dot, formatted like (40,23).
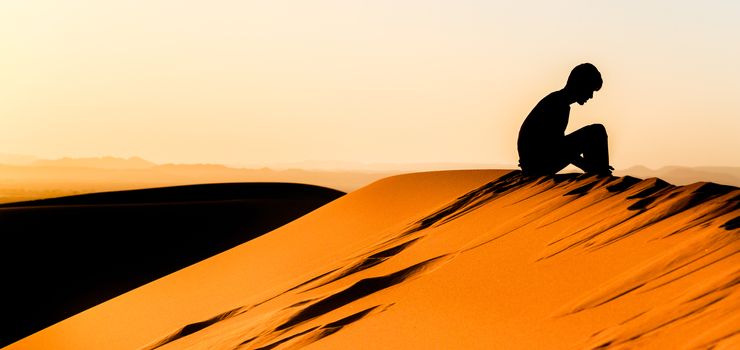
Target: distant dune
(61,256)
(455,260)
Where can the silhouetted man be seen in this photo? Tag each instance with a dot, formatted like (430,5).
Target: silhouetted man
(543,146)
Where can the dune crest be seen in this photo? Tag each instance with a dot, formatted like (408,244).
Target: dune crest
(456,259)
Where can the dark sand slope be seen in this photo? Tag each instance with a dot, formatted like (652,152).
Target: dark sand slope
(61,256)
(455,260)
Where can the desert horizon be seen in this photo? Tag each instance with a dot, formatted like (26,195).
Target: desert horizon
(27,178)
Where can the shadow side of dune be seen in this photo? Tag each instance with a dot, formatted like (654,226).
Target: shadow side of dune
(635,205)
(63,255)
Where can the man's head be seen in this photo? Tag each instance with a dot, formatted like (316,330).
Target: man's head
(584,79)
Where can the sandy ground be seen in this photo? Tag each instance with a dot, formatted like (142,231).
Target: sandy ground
(458,259)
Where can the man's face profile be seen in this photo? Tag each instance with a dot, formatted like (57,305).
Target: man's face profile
(584,95)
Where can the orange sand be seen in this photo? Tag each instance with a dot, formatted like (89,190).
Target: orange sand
(458,259)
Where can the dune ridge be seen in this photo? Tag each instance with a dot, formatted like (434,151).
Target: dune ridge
(466,259)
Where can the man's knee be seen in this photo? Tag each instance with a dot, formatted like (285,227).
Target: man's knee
(597,130)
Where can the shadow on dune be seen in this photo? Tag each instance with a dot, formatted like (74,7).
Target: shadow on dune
(194,327)
(361,265)
(61,256)
(357,291)
(733,224)
(313,308)
(315,334)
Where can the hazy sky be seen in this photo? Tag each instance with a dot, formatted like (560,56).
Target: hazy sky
(257,82)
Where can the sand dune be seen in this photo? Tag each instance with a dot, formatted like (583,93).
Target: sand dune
(64,255)
(457,259)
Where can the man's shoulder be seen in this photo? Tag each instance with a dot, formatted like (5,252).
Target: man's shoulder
(555,97)
(553,103)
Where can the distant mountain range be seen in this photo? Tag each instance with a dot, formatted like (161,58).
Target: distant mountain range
(35,178)
(679,175)
(97,163)
(27,177)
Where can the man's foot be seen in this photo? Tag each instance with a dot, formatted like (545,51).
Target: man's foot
(606,172)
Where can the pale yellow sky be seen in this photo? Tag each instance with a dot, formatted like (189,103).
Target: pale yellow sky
(261,82)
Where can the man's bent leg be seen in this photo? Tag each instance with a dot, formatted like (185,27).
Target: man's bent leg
(592,142)
(548,161)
